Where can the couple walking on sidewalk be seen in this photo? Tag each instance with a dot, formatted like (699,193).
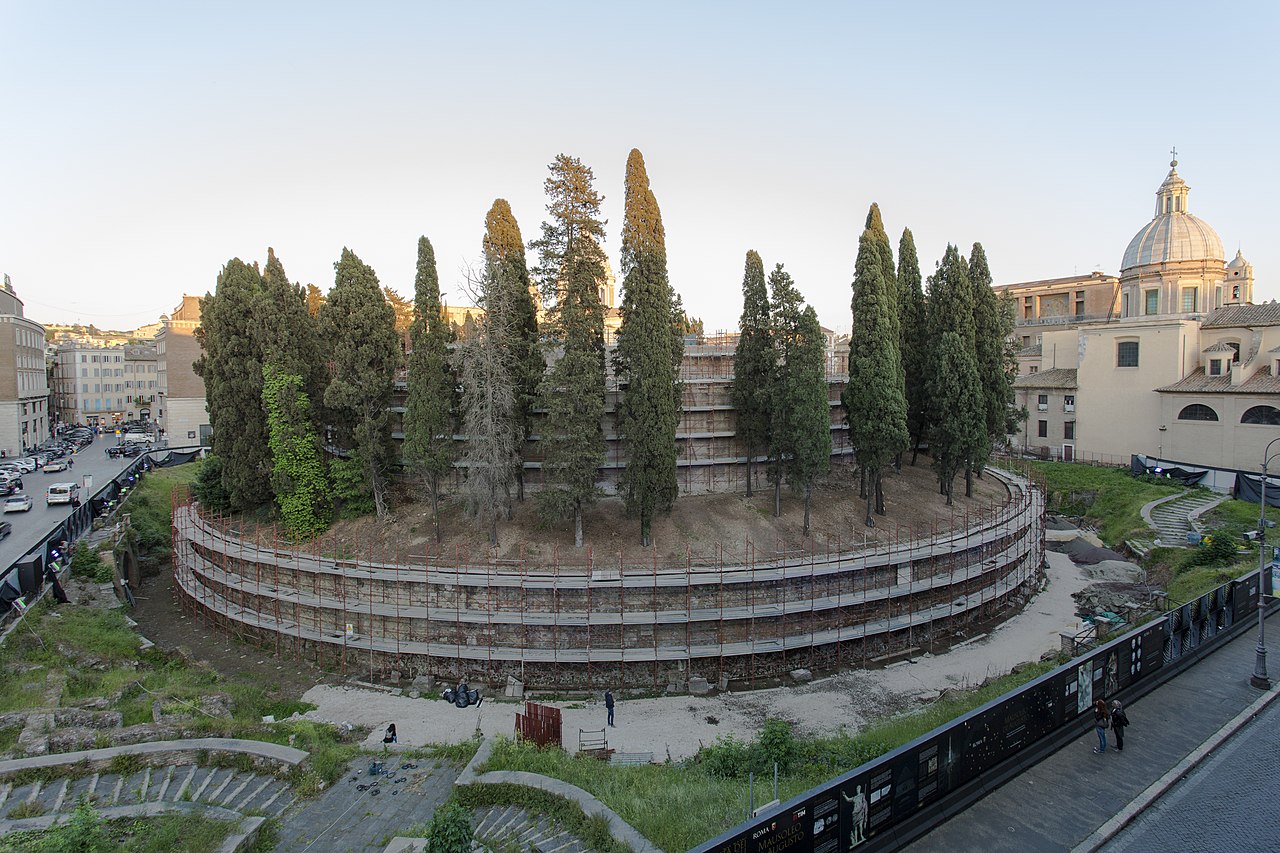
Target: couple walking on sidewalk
(1115,717)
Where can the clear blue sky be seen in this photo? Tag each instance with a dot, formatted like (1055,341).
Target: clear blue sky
(145,144)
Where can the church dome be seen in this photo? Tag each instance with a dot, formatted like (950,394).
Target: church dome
(1239,262)
(1174,234)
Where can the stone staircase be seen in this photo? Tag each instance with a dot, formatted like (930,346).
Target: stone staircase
(506,828)
(234,790)
(1172,519)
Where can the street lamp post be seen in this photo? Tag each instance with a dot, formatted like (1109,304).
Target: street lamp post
(1259,678)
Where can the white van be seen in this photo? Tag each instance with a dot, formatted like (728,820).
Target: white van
(137,438)
(62,493)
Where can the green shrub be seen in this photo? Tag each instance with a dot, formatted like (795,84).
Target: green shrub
(85,563)
(351,487)
(84,833)
(449,830)
(208,487)
(1220,551)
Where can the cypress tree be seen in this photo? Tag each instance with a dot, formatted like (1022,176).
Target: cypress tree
(957,409)
(785,390)
(428,417)
(489,407)
(504,247)
(754,363)
(359,327)
(874,400)
(914,339)
(997,362)
(288,336)
(231,366)
(570,270)
(647,360)
(811,418)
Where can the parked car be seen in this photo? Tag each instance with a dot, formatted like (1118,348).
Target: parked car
(55,465)
(26,466)
(5,529)
(62,493)
(17,503)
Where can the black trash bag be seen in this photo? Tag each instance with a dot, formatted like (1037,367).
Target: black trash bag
(447,695)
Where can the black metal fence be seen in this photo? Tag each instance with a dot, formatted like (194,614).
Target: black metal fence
(899,796)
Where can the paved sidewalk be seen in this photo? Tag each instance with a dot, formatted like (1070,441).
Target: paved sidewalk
(1061,801)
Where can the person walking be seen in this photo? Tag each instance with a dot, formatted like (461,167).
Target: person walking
(1119,720)
(1100,719)
(608,704)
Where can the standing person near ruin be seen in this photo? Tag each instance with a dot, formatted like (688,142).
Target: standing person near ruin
(1119,720)
(608,704)
(1101,717)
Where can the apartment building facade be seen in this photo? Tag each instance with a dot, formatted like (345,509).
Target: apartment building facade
(103,386)
(24,380)
(181,408)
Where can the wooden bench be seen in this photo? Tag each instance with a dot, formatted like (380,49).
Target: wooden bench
(631,758)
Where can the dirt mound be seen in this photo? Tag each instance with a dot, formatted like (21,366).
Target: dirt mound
(1084,553)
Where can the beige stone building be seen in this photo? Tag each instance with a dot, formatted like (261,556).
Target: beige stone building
(1170,359)
(25,419)
(104,385)
(181,409)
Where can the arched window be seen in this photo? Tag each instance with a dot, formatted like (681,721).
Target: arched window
(1197,412)
(1264,415)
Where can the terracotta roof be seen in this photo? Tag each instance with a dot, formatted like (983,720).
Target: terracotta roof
(1266,314)
(1223,347)
(1261,382)
(1059,377)
(1029,352)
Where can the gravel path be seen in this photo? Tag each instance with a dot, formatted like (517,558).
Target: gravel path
(678,725)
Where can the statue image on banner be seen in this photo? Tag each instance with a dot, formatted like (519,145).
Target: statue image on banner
(1084,687)
(857,817)
(1112,685)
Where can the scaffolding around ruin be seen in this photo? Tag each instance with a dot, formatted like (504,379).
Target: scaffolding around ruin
(739,616)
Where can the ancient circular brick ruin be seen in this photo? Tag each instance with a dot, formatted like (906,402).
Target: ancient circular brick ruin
(636,627)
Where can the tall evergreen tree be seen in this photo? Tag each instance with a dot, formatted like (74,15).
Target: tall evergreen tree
(428,418)
(403,309)
(359,328)
(231,366)
(647,360)
(997,364)
(874,400)
(489,406)
(288,336)
(885,251)
(914,339)
(957,410)
(504,247)
(786,425)
(811,409)
(570,270)
(754,364)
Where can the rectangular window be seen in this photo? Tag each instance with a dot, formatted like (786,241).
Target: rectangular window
(1028,308)
(1068,402)
(84,389)
(1153,302)
(1188,300)
(1127,354)
(1124,310)
(1042,402)
(1044,429)
(1069,430)
(1026,340)
(1215,367)
(1079,303)
(1035,369)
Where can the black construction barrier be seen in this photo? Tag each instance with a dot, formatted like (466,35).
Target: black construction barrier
(894,799)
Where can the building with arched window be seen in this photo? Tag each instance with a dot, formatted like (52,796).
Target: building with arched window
(1170,359)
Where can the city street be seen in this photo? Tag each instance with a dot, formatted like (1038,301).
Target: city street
(29,527)
(1227,803)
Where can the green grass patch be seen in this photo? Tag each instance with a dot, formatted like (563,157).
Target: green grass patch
(1238,517)
(459,753)
(1109,498)
(565,812)
(86,831)
(1194,583)
(680,805)
(9,737)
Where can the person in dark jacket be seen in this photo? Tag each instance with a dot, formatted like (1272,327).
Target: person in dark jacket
(1119,720)
(608,704)
(1100,719)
